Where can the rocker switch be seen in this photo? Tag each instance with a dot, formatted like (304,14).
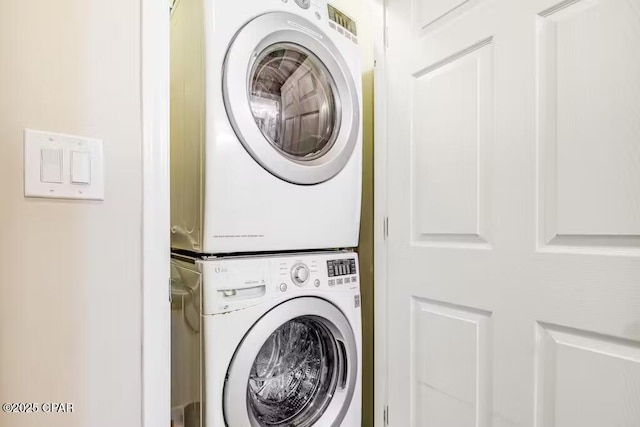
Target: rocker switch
(80,167)
(51,165)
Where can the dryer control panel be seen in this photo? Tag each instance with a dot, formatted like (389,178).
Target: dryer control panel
(337,19)
(342,20)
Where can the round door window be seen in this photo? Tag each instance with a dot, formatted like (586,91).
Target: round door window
(294,374)
(294,101)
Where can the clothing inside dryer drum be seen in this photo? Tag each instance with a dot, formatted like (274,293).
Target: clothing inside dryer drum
(294,375)
(293,101)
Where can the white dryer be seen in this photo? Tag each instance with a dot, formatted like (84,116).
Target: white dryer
(266,133)
(281,340)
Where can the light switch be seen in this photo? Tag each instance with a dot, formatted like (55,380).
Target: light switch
(80,167)
(62,166)
(51,165)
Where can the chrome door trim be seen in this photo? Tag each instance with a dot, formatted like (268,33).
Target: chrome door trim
(236,409)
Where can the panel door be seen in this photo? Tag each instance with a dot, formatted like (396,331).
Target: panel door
(514,213)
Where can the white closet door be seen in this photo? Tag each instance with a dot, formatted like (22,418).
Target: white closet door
(514,213)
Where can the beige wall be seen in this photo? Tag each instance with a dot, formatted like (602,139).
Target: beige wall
(70,293)
(70,296)
(360,11)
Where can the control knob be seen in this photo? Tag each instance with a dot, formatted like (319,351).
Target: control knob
(303,3)
(300,274)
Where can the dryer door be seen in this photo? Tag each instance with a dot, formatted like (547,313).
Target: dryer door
(291,98)
(296,366)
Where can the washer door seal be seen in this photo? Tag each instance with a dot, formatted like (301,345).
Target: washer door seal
(332,119)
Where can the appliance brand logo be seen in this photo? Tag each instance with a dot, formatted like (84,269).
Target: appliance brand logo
(221,269)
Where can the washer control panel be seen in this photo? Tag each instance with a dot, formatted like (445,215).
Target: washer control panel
(342,271)
(317,271)
(232,283)
(341,267)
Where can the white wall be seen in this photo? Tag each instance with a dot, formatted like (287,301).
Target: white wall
(70,293)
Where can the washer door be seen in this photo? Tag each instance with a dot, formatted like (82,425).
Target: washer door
(295,367)
(291,99)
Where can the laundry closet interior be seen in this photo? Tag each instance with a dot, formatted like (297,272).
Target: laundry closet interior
(271,118)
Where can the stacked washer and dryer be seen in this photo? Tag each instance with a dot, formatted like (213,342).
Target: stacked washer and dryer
(266,158)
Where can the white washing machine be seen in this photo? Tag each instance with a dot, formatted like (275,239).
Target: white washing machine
(281,341)
(266,129)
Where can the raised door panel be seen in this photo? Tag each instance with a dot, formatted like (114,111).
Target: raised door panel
(430,13)
(586,379)
(589,63)
(451,364)
(452,116)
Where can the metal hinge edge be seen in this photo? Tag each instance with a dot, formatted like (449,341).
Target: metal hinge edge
(385,228)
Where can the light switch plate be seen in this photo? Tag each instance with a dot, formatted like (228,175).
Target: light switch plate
(83,180)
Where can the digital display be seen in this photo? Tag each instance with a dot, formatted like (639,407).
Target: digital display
(341,267)
(343,20)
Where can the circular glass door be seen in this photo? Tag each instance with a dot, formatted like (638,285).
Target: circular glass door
(294,375)
(296,366)
(291,98)
(294,101)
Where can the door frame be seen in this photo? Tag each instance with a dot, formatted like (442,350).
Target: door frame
(156,254)
(381,219)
